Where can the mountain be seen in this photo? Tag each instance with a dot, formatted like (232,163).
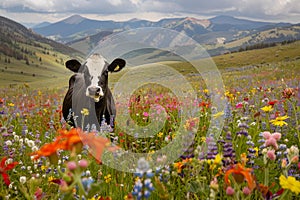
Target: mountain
(84,34)
(40,25)
(28,57)
(76,27)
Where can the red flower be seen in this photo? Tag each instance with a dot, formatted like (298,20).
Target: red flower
(4,168)
(272,103)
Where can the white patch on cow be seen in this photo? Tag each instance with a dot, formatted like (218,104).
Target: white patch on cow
(95,65)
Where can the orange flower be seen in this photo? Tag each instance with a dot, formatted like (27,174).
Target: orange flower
(71,140)
(178,166)
(97,144)
(240,173)
(48,150)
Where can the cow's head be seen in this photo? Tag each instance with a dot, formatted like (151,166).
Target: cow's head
(95,73)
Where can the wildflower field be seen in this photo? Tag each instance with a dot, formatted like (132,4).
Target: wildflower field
(256,156)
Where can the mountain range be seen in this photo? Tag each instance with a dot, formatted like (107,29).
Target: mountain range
(217,33)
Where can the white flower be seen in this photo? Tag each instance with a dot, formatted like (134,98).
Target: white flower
(9,161)
(28,168)
(253,124)
(23,179)
(8,143)
(21,141)
(34,148)
(167,139)
(88,173)
(30,143)
(16,138)
(11,185)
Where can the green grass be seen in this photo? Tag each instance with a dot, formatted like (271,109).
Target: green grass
(51,72)
(269,55)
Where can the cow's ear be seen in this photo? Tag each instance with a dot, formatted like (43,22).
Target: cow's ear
(73,65)
(117,65)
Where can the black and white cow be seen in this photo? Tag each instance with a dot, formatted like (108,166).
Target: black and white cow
(88,88)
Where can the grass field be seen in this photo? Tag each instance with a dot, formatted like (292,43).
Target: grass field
(251,152)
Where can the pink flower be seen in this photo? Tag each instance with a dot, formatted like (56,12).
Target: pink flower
(229,191)
(271,139)
(71,165)
(239,105)
(271,154)
(266,134)
(83,163)
(276,136)
(246,191)
(145,114)
(271,142)
(295,159)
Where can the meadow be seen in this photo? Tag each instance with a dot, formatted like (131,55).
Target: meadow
(256,155)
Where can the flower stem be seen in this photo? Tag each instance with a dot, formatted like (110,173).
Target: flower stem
(296,119)
(266,181)
(283,195)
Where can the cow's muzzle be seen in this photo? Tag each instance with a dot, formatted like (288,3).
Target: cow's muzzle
(94,92)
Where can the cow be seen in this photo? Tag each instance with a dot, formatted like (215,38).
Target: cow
(88,89)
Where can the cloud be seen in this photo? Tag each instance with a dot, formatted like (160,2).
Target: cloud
(266,9)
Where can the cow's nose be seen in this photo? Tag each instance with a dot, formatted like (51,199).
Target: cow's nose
(94,91)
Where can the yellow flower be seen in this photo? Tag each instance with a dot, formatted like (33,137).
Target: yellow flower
(203,139)
(253,90)
(213,163)
(85,112)
(290,183)
(11,104)
(160,134)
(39,93)
(205,91)
(256,151)
(44,167)
(50,179)
(219,114)
(244,158)
(173,135)
(218,159)
(107,178)
(267,108)
(279,121)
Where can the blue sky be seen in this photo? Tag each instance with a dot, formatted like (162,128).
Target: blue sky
(36,11)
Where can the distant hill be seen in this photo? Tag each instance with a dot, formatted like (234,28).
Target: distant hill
(77,26)
(214,33)
(27,57)
(40,25)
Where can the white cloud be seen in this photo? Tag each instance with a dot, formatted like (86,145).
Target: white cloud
(265,10)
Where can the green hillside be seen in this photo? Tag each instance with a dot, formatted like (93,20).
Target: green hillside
(26,57)
(279,53)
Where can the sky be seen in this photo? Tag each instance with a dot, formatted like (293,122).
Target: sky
(37,11)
